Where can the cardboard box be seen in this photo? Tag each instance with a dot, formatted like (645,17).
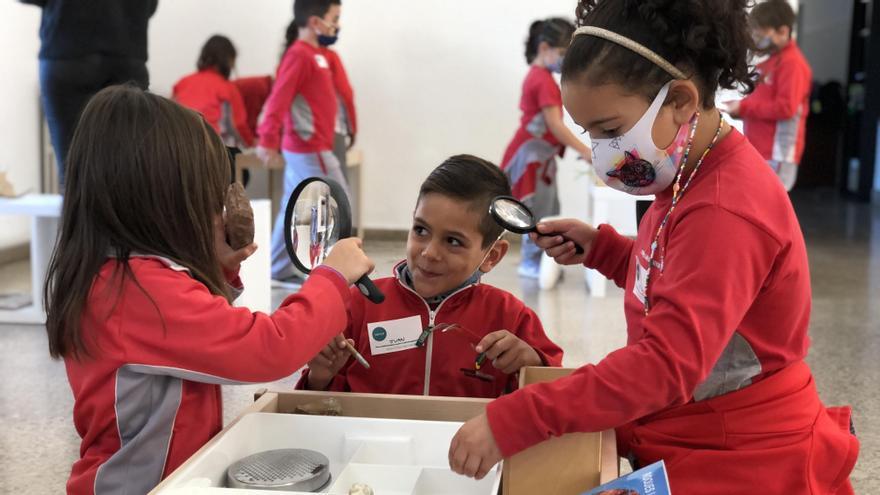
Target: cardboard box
(571,464)
(566,465)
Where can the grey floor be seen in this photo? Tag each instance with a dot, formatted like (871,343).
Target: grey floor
(38,442)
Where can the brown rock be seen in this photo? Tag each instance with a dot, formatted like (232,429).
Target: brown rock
(239,217)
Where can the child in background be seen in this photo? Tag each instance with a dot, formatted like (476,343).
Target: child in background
(139,289)
(530,159)
(302,107)
(454,241)
(346,117)
(210,93)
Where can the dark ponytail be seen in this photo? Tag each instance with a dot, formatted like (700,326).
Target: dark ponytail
(217,53)
(555,31)
(709,40)
(291,34)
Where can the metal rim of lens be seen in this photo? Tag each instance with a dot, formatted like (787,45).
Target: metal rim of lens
(506,224)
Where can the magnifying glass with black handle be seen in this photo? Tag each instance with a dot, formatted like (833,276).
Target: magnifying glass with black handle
(318,215)
(516,217)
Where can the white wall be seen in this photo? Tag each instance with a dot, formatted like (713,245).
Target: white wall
(431,80)
(19,94)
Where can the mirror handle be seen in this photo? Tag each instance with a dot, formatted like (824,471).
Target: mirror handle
(369,290)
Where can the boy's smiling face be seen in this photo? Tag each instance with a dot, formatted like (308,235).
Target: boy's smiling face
(445,245)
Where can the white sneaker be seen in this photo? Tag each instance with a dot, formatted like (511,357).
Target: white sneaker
(549,273)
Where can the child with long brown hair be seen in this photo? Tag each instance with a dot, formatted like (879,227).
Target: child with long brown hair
(139,292)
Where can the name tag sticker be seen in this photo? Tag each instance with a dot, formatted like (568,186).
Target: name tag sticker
(394,335)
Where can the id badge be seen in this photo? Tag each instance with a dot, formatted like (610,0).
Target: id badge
(394,335)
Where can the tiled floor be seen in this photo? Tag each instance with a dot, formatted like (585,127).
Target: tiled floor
(38,442)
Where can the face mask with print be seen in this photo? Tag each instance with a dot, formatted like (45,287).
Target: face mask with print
(632,162)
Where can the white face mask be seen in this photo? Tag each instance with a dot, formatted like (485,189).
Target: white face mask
(632,162)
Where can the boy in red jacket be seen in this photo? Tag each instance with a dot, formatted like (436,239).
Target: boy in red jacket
(775,114)
(407,339)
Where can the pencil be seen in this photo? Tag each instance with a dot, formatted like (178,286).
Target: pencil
(357,355)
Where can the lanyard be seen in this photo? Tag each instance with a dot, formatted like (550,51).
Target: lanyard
(677,193)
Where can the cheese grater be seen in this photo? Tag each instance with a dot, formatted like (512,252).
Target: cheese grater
(295,470)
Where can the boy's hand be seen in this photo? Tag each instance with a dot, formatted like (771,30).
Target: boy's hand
(324,366)
(508,352)
(557,238)
(230,259)
(348,258)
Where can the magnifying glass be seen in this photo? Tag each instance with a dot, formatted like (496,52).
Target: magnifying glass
(513,215)
(318,215)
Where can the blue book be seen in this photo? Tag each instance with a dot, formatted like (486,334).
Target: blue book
(650,480)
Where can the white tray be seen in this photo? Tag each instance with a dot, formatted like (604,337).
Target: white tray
(393,456)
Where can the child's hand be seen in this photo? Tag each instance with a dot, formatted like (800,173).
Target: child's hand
(557,238)
(348,258)
(270,158)
(230,259)
(508,352)
(328,362)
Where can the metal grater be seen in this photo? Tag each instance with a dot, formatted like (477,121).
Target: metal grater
(295,470)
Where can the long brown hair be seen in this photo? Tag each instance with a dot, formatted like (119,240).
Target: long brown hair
(145,176)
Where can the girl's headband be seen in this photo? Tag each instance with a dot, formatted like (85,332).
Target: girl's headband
(632,45)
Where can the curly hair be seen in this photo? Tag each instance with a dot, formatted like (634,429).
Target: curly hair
(709,40)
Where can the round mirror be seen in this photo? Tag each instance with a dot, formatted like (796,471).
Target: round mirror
(312,223)
(318,215)
(512,215)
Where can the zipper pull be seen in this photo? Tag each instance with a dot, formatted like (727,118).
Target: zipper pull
(423,337)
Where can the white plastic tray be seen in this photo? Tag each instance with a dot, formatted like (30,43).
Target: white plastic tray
(394,457)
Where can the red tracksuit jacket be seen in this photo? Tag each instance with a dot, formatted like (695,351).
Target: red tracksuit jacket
(302,103)
(343,88)
(775,115)
(206,92)
(151,396)
(434,368)
(730,306)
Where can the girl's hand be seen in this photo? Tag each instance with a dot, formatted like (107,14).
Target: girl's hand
(348,258)
(558,237)
(324,366)
(507,352)
(230,259)
(474,451)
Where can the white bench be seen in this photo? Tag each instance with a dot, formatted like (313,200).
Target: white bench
(45,210)
(617,208)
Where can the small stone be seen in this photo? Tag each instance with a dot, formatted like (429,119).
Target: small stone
(239,217)
(360,489)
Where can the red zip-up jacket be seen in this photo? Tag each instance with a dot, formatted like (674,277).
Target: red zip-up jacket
(775,115)
(150,396)
(302,103)
(343,88)
(206,92)
(730,305)
(434,369)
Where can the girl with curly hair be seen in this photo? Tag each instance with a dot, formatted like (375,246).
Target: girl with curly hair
(717,286)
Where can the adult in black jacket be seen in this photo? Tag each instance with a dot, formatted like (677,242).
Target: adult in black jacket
(87,45)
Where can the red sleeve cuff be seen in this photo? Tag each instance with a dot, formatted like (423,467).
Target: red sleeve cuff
(270,142)
(513,433)
(608,241)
